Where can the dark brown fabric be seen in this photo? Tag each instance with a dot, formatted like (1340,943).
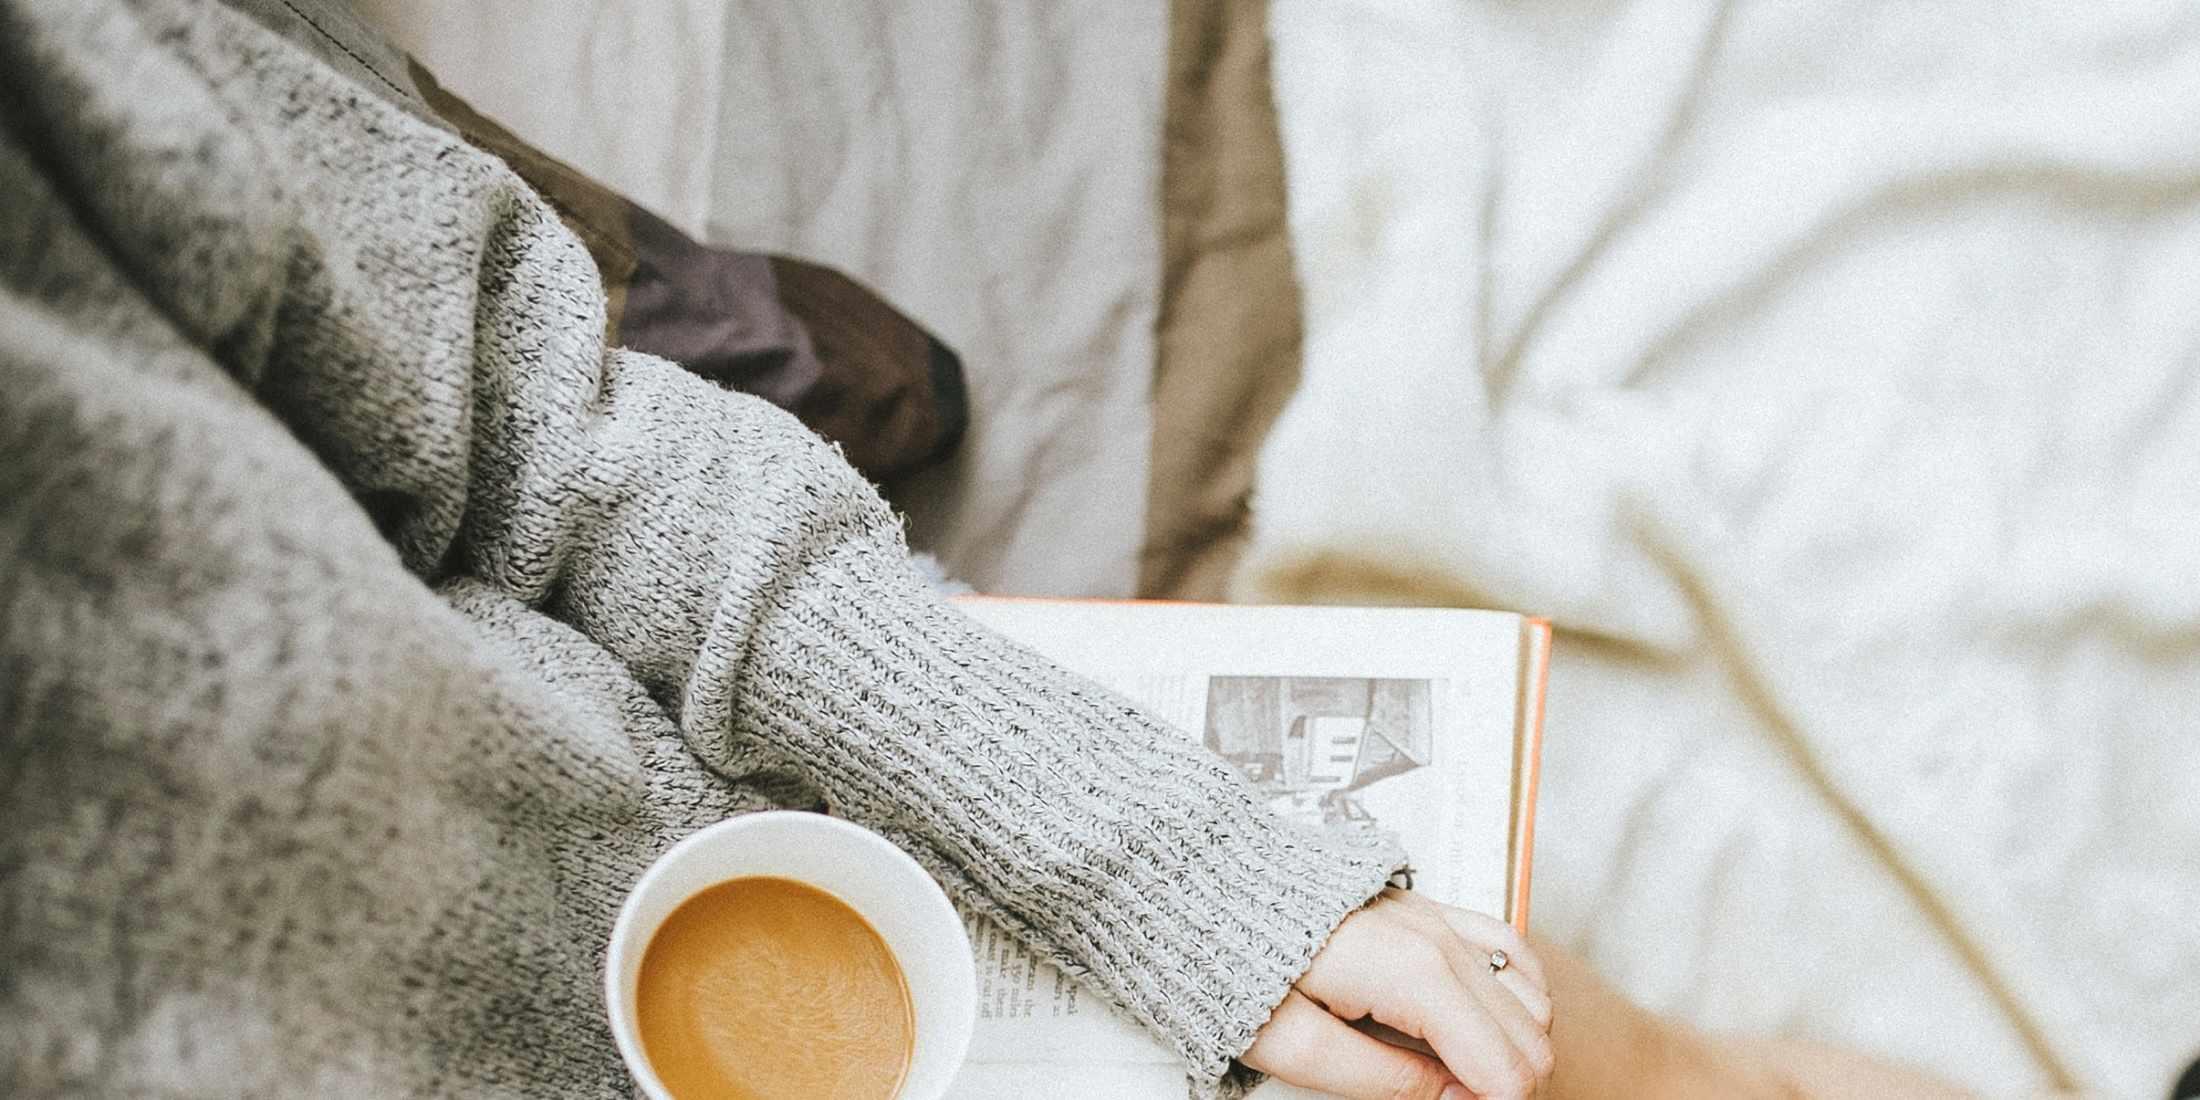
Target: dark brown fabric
(801,336)
(907,407)
(1228,344)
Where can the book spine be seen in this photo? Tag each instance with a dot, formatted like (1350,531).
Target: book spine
(1535,673)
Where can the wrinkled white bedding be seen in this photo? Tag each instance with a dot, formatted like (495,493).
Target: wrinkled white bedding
(991,169)
(627,91)
(1831,374)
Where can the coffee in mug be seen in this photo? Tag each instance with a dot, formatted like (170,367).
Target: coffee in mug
(790,954)
(759,988)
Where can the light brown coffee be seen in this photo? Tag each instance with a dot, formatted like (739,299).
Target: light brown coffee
(763,988)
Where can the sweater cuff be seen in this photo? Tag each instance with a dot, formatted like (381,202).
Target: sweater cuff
(1115,845)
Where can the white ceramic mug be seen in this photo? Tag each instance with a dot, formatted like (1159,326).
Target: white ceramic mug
(865,872)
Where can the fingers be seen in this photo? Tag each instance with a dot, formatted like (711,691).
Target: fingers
(1401,963)
(1512,996)
(1470,939)
(1491,934)
(1306,1045)
(1530,1037)
(1475,1043)
(1523,974)
(1512,1003)
(1532,1000)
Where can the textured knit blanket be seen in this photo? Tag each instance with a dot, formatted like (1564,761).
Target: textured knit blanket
(1826,372)
(366,625)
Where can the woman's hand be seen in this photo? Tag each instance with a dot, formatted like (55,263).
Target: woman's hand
(1421,969)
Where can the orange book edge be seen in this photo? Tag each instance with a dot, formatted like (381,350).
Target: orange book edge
(1535,677)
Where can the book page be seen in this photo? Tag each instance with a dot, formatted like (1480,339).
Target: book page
(1400,719)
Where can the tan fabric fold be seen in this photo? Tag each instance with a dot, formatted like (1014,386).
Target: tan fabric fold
(1227,353)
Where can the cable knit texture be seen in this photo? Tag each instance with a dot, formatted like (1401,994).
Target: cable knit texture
(366,626)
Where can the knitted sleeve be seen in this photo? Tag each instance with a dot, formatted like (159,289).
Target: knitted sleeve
(761,591)
(422,321)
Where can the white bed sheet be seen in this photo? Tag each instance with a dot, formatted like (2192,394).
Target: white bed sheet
(1831,373)
(628,91)
(992,169)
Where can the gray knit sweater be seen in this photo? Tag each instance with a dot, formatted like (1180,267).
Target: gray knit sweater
(366,625)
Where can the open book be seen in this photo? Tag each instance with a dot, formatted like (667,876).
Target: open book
(1425,723)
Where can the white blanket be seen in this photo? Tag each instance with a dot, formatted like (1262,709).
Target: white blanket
(1831,373)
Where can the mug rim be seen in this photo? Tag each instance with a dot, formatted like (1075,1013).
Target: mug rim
(622,943)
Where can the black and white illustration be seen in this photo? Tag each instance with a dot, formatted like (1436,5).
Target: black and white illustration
(1313,745)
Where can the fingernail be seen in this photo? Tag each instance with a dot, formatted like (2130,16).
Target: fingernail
(1456,1092)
